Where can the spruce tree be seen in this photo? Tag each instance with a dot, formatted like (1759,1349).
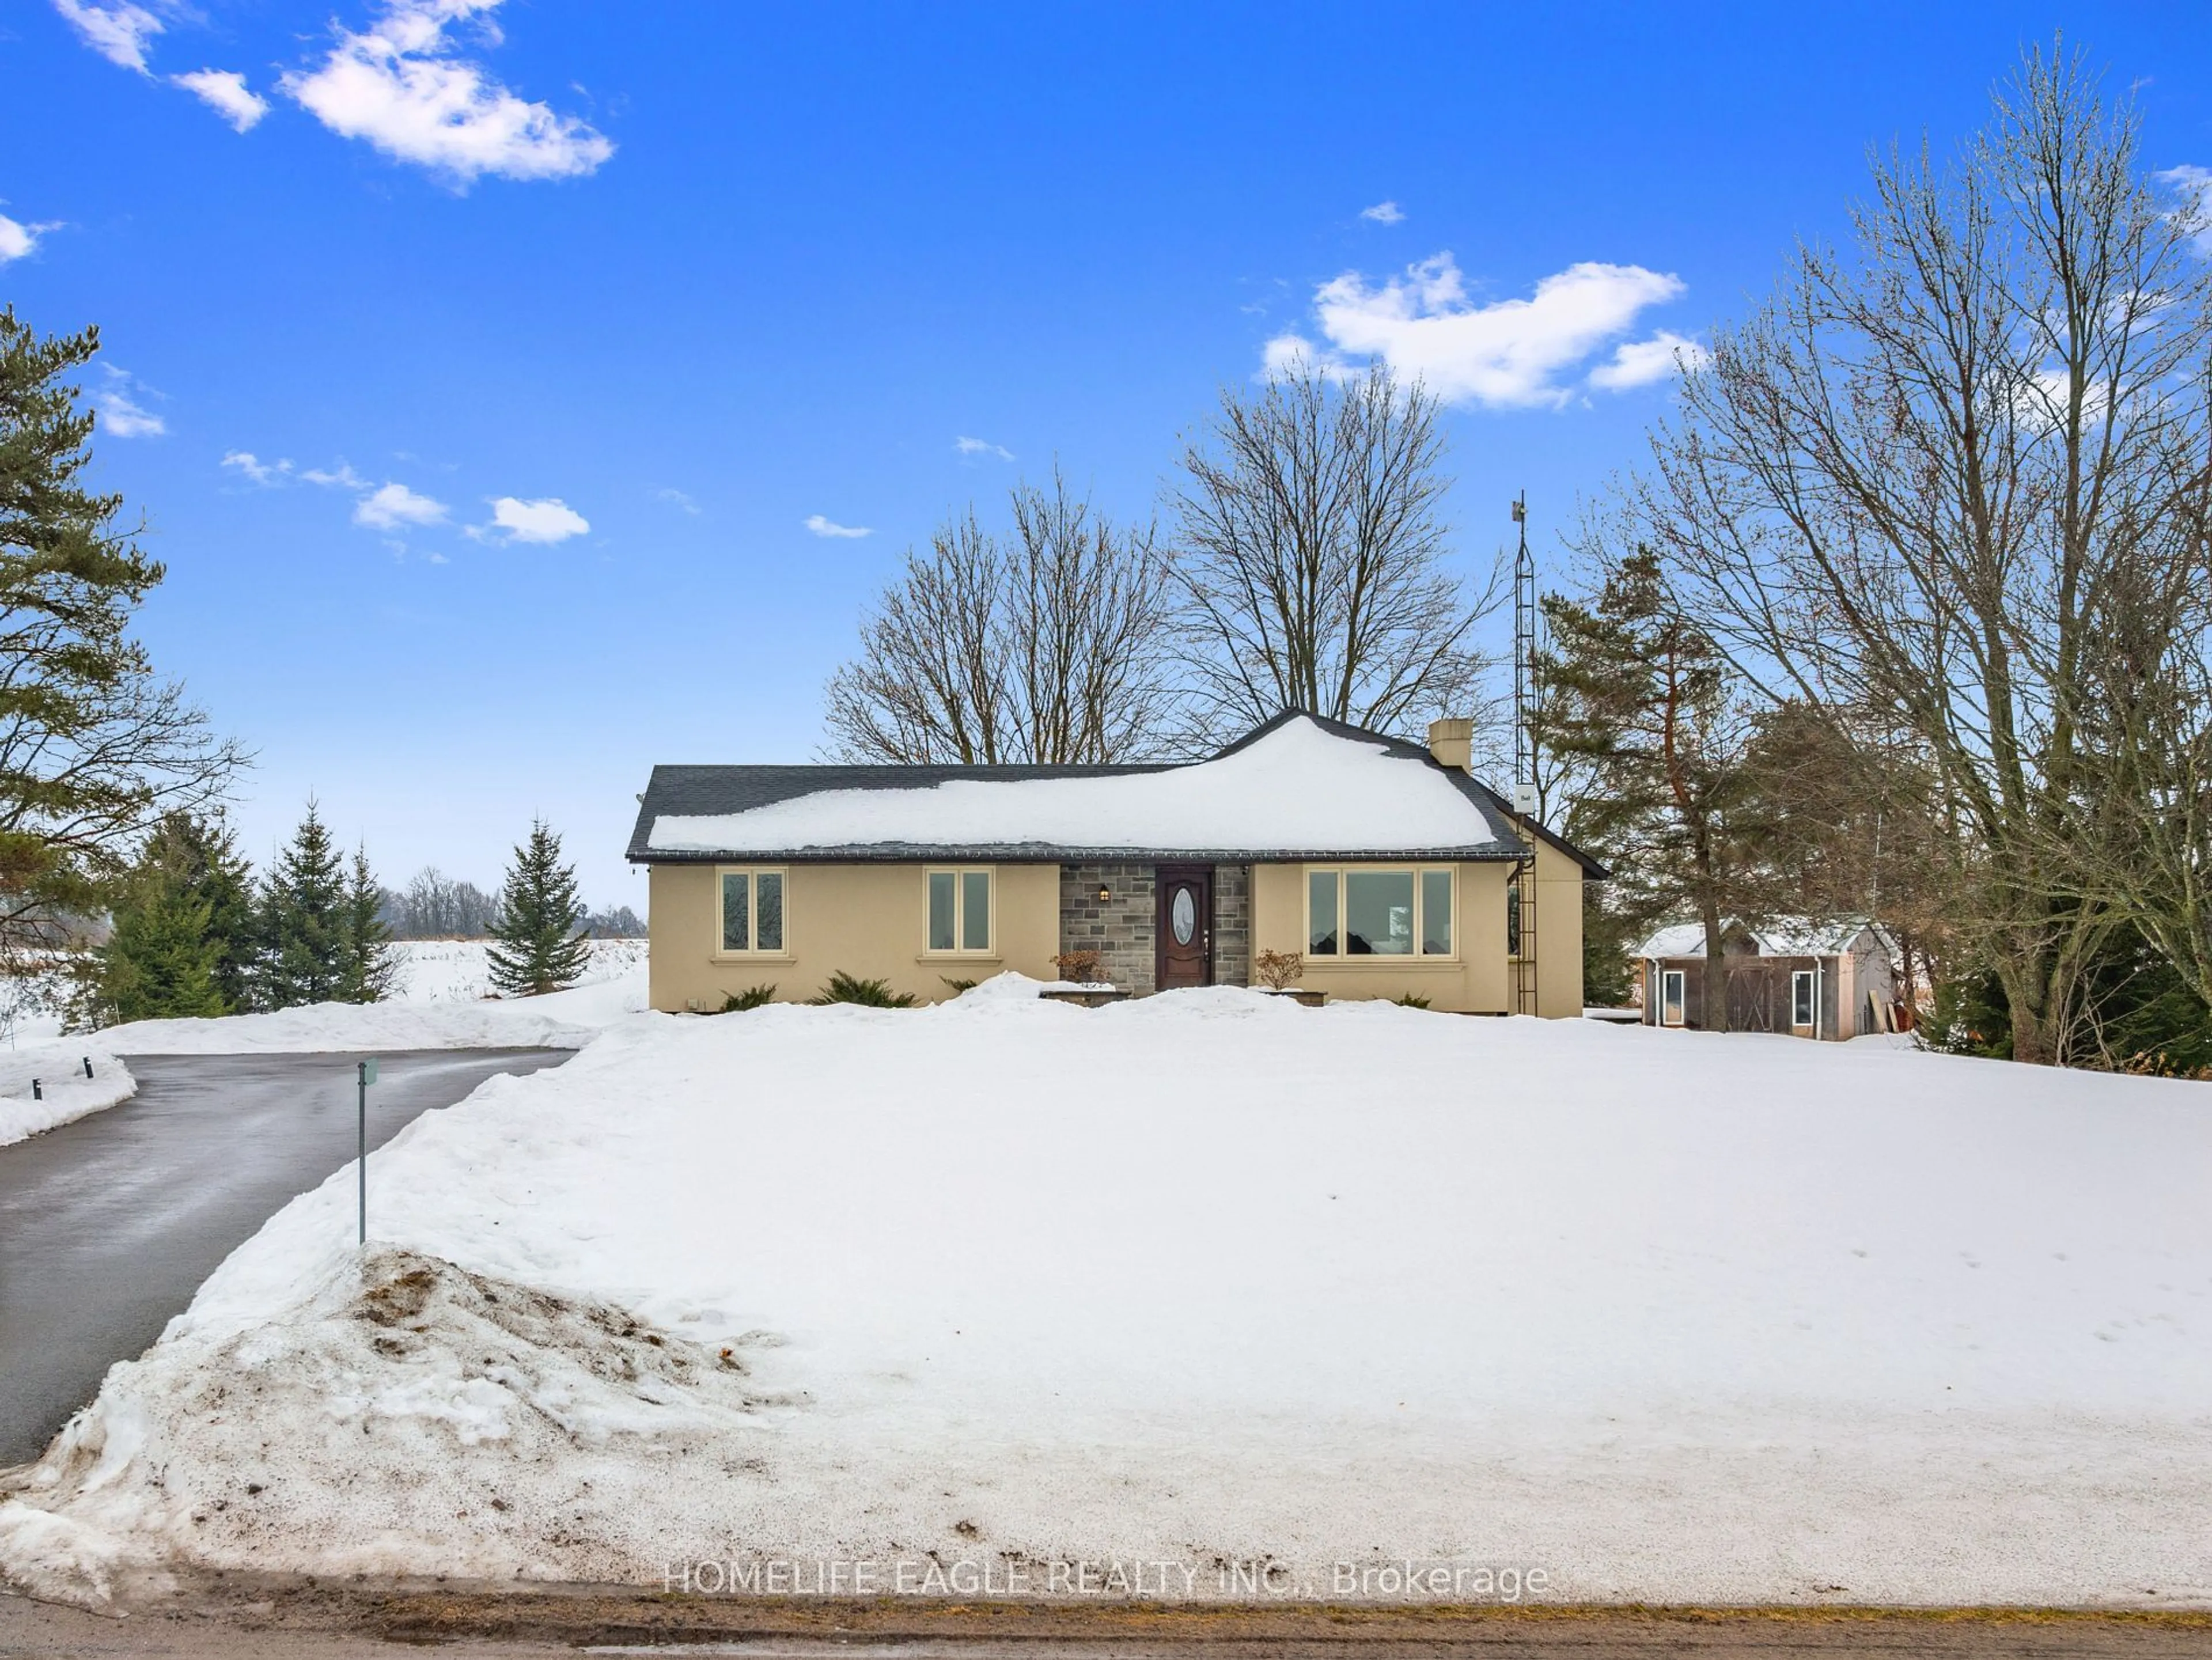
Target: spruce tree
(536,948)
(304,923)
(181,934)
(366,963)
(201,856)
(159,963)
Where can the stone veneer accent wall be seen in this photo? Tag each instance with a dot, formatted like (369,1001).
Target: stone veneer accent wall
(1120,929)
(1232,925)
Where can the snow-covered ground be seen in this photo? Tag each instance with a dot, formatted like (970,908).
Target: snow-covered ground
(1195,1283)
(459,970)
(64,1093)
(440,1000)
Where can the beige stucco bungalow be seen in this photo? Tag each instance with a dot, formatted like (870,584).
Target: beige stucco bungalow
(1385,866)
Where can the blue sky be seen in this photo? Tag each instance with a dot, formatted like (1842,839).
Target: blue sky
(549,326)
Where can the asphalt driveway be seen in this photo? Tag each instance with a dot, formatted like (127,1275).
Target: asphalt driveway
(108,1225)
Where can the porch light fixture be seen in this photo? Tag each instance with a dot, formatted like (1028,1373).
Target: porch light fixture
(1105,893)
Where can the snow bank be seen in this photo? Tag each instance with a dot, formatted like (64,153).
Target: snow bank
(1203,1279)
(438,1002)
(1299,787)
(68,1093)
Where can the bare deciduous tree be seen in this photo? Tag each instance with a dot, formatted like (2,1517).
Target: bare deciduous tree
(1046,647)
(436,906)
(1924,483)
(1309,556)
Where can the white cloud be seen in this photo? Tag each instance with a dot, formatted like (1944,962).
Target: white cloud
(260,471)
(1508,353)
(116,29)
(225,91)
(1383,213)
(401,86)
(2194,185)
(121,414)
(390,506)
(343,477)
(822,526)
(546,520)
(1639,362)
(17,240)
(676,498)
(982,446)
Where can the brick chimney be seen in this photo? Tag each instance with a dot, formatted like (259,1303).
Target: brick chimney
(1452,743)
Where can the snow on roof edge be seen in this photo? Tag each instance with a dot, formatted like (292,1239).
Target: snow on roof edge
(1298,788)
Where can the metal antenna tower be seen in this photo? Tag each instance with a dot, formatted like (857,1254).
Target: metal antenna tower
(1521,931)
(1524,665)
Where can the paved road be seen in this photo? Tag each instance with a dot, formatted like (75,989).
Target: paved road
(107,1226)
(29,1631)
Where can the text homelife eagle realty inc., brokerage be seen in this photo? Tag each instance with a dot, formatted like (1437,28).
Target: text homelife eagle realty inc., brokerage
(1000,1577)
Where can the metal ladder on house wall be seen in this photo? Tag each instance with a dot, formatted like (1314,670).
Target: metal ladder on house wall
(1524,961)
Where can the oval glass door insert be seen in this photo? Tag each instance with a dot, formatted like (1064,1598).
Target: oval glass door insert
(1182,915)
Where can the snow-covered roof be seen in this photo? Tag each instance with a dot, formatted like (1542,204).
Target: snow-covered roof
(1299,788)
(1788,936)
(1675,939)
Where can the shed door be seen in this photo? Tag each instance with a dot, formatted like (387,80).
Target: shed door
(1184,926)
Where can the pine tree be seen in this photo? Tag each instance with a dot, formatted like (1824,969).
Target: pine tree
(1642,698)
(365,963)
(537,947)
(305,922)
(94,746)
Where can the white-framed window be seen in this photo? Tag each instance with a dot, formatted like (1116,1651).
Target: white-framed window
(963,913)
(1670,997)
(752,919)
(1364,911)
(1801,999)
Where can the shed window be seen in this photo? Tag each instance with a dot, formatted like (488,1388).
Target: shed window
(752,912)
(1670,997)
(1378,913)
(960,911)
(1801,998)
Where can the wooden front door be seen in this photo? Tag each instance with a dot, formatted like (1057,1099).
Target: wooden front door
(1183,927)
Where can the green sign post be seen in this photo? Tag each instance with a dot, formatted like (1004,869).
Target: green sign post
(366,1075)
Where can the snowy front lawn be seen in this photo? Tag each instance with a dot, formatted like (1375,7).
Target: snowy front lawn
(1199,1279)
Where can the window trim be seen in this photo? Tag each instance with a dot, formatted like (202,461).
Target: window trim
(1681,999)
(1341,958)
(1811,982)
(990,950)
(721,953)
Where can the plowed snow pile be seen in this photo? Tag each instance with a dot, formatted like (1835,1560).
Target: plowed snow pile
(1197,1283)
